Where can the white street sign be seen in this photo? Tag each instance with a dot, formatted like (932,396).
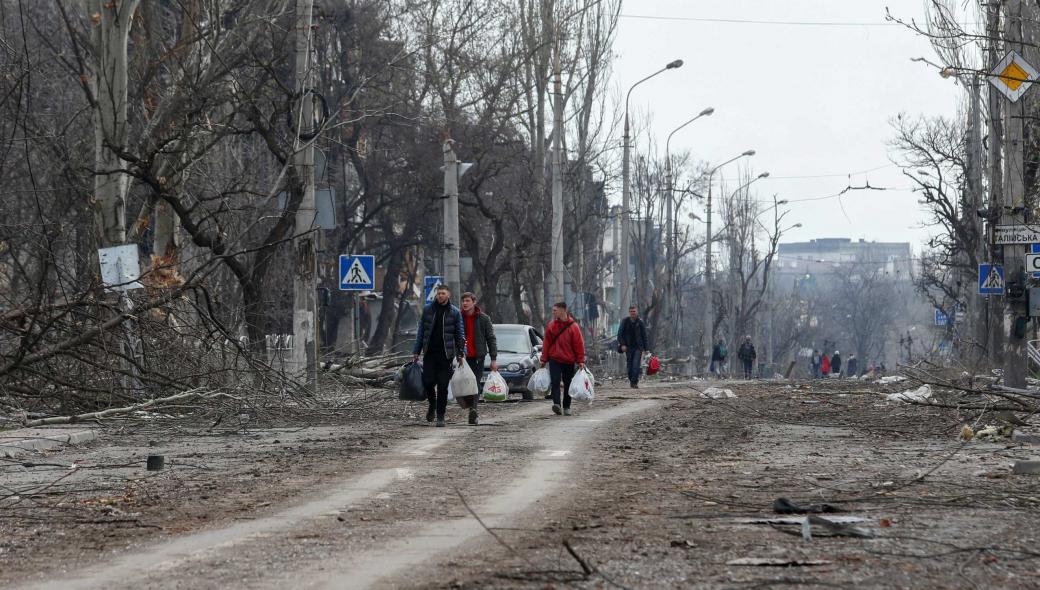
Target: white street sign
(1013,76)
(120,268)
(1016,234)
(1032,262)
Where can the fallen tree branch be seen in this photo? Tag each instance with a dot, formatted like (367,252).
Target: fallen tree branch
(180,397)
(585,567)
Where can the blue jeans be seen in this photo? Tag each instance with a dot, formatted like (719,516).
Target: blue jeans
(633,356)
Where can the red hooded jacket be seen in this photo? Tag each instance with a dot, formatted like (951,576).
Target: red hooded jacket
(563,342)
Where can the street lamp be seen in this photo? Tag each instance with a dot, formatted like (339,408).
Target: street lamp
(668,177)
(708,287)
(670,232)
(625,183)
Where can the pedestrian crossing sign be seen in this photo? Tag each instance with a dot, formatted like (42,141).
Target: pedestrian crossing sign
(357,272)
(991,279)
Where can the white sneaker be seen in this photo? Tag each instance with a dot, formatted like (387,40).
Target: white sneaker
(566,411)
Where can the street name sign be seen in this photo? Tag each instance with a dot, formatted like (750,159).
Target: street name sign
(1016,234)
(357,272)
(991,279)
(1033,263)
(1013,76)
(941,319)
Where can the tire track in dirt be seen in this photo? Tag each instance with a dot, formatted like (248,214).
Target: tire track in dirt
(185,561)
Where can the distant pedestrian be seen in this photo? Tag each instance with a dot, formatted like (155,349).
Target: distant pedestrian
(562,348)
(825,366)
(853,367)
(439,338)
(718,358)
(480,343)
(836,364)
(814,364)
(747,355)
(632,341)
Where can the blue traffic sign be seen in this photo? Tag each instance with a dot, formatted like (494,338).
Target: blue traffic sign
(357,272)
(991,279)
(1035,249)
(941,319)
(429,284)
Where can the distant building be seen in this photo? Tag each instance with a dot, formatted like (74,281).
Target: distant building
(816,260)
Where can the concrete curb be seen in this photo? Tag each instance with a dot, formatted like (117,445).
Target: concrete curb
(23,441)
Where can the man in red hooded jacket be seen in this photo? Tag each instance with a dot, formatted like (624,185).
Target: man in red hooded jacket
(562,348)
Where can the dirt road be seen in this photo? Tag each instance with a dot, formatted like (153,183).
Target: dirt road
(653,488)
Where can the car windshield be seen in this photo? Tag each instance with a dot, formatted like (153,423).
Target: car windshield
(514,340)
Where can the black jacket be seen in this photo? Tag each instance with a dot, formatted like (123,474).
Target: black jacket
(453,334)
(632,334)
(746,352)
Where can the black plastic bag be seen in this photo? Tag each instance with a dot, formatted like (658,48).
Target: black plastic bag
(411,386)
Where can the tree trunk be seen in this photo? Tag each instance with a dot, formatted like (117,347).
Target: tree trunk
(108,84)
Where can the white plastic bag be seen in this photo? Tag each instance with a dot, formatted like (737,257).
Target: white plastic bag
(463,382)
(540,382)
(582,386)
(495,388)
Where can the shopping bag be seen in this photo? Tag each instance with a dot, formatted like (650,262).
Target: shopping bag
(411,386)
(463,382)
(582,386)
(540,382)
(653,365)
(495,388)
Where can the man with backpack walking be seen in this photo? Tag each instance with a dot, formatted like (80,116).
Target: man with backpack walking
(632,341)
(480,342)
(718,358)
(562,348)
(439,338)
(747,355)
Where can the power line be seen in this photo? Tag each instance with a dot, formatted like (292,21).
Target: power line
(738,21)
(840,175)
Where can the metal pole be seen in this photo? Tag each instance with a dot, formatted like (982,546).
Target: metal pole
(709,311)
(557,181)
(305,304)
(995,308)
(452,272)
(625,196)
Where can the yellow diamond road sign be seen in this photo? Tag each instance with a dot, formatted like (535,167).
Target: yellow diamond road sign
(1013,76)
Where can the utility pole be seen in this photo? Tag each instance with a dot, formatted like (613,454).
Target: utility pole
(976,306)
(557,178)
(994,306)
(305,304)
(452,273)
(623,283)
(1014,195)
(709,303)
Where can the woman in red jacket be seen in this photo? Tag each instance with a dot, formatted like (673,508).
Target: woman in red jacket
(563,348)
(825,366)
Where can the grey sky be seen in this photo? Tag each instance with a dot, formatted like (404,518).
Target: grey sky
(812,100)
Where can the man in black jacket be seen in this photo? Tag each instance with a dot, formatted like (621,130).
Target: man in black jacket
(747,355)
(440,337)
(631,339)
